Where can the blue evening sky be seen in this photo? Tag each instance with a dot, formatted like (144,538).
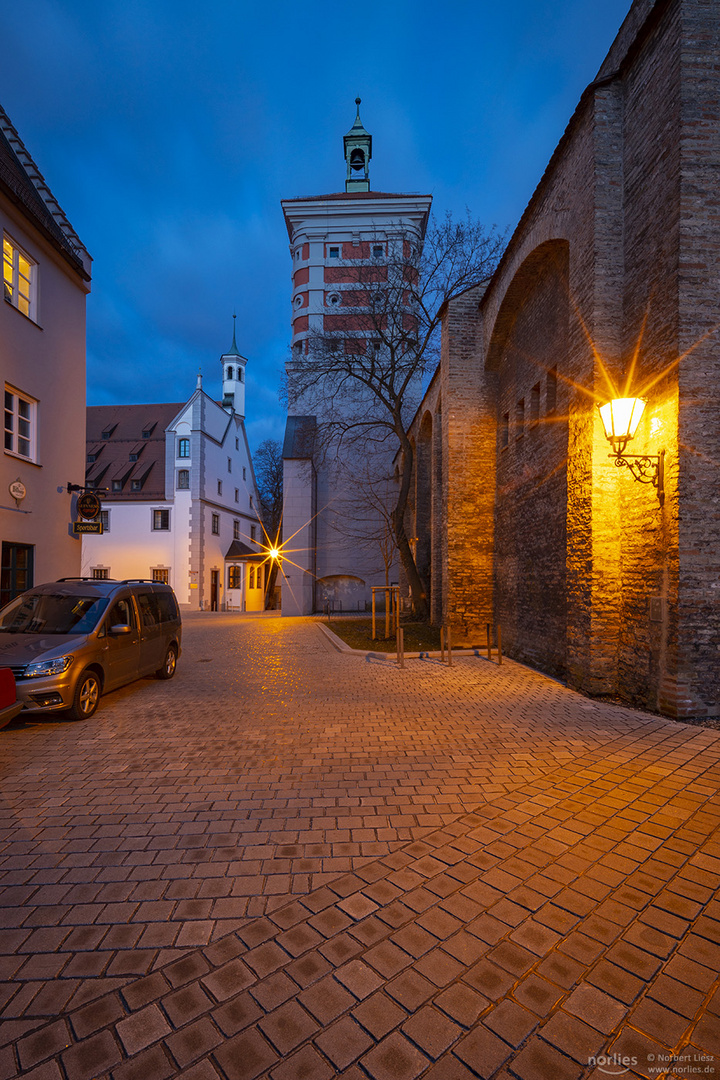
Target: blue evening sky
(169,131)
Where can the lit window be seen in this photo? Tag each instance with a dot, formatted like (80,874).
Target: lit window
(18,278)
(162,577)
(100,573)
(234,577)
(183,479)
(251,582)
(161,520)
(216,524)
(219,487)
(334,253)
(183,448)
(253,532)
(105,520)
(20,422)
(236,530)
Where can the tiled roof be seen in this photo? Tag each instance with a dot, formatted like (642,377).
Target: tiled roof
(24,184)
(240,551)
(125,424)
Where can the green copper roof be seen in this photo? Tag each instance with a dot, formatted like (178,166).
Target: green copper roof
(233,350)
(357,128)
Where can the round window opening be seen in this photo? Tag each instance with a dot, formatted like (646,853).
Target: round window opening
(334,299)
(298,301)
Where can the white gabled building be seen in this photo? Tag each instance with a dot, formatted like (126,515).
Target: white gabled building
(178,494)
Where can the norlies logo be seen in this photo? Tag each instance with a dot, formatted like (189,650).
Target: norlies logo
(613,1064)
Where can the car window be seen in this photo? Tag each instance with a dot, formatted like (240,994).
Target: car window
(122,614)
(167,606)
(149,612)
(51,613)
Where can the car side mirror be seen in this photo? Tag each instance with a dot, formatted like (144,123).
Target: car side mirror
(121,628)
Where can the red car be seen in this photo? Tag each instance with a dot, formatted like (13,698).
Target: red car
(9,704)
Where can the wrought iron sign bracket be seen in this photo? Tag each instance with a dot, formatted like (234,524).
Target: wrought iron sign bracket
(646,468)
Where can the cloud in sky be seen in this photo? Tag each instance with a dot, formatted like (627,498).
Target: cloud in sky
(169,131)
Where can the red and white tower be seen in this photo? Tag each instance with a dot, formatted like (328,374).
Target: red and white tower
(338,243)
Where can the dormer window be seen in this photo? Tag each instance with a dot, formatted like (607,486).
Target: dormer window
(136,485)
(133,457)
(117,485)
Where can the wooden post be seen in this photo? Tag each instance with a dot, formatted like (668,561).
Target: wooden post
(401,632)
(499,643)
(399,645)
(442,644)
(387,614)
(449,641)
(374,628)
(489,646)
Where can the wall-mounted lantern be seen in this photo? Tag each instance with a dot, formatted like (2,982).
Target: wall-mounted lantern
(620,418)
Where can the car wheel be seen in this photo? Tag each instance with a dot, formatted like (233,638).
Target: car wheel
(86,697)
(170,663)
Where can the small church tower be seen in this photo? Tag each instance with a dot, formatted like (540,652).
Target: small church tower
(233,364)
(358,151)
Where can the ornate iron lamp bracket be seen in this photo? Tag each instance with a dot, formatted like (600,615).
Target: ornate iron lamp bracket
(647,468)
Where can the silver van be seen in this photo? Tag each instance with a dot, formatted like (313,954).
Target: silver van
(72,640)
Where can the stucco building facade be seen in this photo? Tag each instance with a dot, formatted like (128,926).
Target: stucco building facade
(46,279)
(178,494)
(608,288)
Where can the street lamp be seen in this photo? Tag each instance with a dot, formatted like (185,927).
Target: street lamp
(620,418)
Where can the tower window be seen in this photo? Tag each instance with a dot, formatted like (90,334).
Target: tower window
(333,299)
(378,251)
(229,373)
(183,448)
(183,479)
(334,253)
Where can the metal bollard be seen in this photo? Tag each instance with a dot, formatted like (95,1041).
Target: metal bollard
(400,647)
(449,644)
(489,646)
(442,644)
(499,643)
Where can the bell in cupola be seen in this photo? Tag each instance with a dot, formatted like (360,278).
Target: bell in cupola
(358,151)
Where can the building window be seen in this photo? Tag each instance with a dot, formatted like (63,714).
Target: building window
(100,573)
(251,582)
(20,422)
(91,458)
(251,502)
(19,274)
(236,530)
(333,299)
(551,390)
(234,577)
(136,485)
(253,532)
(535,404)
(244,473)
(133,457)
(219,487)
(229,464)
(183,479)
(216,524)
(183,448)
(161,520)
(117,485)
(237,444)
(505,431)
(229,373)
(162,577)
(105,520)
(237,493)
(520,419)
(334,253)
(378,251)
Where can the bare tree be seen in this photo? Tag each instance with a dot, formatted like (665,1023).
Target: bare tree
(268,466)
(364,379)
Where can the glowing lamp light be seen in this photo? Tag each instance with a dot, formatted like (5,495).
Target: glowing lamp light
(274,553)
(620,418)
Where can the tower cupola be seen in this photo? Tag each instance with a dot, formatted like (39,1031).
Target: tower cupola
(233,364)
(358,151)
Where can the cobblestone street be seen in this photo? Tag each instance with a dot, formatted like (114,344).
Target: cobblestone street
(296,862)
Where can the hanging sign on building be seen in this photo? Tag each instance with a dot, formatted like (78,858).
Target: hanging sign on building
(87,527)
(17,490)
(88,505)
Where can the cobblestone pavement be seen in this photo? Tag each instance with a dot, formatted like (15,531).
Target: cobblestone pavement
(293,863)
